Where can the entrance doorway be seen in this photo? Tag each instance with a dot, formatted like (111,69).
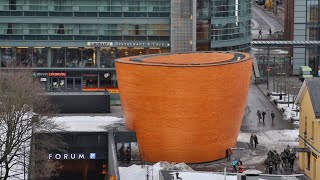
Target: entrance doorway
(73,84)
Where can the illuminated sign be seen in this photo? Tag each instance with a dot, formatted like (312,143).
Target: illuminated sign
(57,74)
(113,90)
(128,44)
(71,156)
(89,75)
(40,74)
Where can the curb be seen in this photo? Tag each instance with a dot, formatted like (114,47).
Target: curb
(273,104)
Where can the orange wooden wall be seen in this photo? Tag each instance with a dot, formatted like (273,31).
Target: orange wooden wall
(184,113)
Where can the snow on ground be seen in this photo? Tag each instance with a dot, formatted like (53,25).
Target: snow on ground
(288,112)
(273,139)
(204,176)
(86,123)
(137,172)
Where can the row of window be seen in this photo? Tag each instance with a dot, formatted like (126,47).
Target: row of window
(69,57)
(84,38)
(85,14)
(86,29)
(242,47)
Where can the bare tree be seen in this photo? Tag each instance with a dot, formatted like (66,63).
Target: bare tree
(24,108)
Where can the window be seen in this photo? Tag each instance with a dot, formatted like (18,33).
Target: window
(312,131)
(305,126)
(308,161)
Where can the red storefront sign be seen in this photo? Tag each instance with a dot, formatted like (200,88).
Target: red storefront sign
(57,74)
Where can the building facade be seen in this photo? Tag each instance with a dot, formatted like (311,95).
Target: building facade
(309,130)
(302,24)
(71,44)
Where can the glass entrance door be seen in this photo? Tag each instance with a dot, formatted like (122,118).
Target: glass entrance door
(73,84)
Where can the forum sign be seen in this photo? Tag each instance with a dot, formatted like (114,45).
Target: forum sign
(129,44)
(71,156)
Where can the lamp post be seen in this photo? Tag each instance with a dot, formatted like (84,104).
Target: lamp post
(268,67)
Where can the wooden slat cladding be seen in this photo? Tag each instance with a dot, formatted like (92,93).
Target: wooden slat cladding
(184,113)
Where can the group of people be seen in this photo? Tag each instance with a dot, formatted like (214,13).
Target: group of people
(254,141)
(237,166)
(262,115)
(125,155)
(260,33)
(275,161)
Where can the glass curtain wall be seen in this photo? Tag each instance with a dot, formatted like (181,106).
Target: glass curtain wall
(23,57)
(73,57)
(313,34)
(237,29)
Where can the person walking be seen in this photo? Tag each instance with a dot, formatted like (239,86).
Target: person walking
(272,116)
(259,114)
(255,139)
(122,154)
(260,34)
(270,32)
(234,165)
(228,154)
(263,115)
(270,169)
(251,141)
(128,155)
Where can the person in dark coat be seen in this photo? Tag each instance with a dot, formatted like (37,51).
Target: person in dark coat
(270,169)
(263,115)
(255,139)
(259,114)
(272,116)
(122,154)
(260,34)
(251,140)
(228,154)
(128,155)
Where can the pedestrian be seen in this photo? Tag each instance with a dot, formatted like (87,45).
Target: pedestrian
(270,169)
(259,114)
(228,154)
(272,116)
(292,159)
(270,32)
(255,139)
(260,34)
(122,154)
(128,155)
(251,141)
(241,168)
(234,165)
(263,115)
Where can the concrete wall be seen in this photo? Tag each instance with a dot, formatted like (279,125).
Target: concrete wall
(89,103)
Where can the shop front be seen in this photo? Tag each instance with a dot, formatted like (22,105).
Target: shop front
(75,81)
(84,155)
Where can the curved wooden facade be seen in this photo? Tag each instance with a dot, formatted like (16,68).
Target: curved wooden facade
(184,107)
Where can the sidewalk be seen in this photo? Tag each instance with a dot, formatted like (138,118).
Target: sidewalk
(294,81)
(263,86)
(279,17)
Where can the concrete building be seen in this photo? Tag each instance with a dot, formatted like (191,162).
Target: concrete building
(70,45)
(309,132)
(302,24)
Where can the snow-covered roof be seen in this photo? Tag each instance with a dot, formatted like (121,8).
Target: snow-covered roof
(81,123)
(313,87)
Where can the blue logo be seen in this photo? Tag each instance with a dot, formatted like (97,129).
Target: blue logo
(92,155)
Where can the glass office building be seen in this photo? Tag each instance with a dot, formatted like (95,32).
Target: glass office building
(306,28)
(71,44)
